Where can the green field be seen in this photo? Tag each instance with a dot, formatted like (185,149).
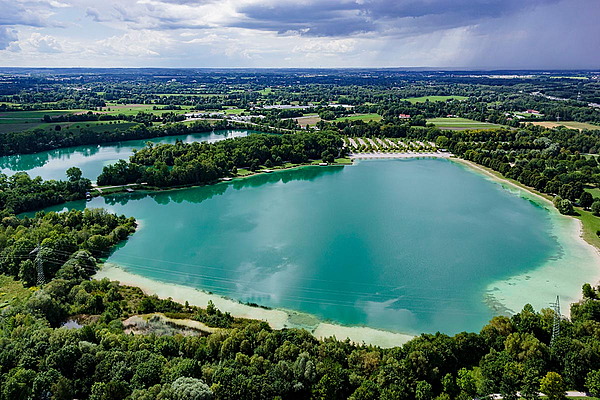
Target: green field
(19,121)
(460,123)
(11,117)
(95,126)
(233,111)
(423,99)
(133,109)
(360,117)
(11,290)
(266,91)
(595,192)
(188,94)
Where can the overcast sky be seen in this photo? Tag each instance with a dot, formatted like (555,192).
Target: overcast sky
(492,34)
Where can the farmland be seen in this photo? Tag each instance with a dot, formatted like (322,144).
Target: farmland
(423,99)
(460,123)
(568,124)
(361,117)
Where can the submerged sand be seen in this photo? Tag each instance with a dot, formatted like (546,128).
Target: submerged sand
(563,275)
(276,318)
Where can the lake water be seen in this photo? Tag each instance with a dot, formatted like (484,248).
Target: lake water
(52,164)
(400,245)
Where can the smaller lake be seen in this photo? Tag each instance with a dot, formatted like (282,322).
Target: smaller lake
(91,159)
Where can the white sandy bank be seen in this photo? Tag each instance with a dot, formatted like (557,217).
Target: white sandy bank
(276,318)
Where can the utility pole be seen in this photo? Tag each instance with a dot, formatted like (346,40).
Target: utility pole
(556,322)
(40,267)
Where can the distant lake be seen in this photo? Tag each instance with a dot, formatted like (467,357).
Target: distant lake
(400,245)
(52,164)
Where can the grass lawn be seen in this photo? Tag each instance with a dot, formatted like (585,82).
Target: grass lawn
(244,172)
(568,124)
(343,160)
(360,117)
(11,290)
(423,99)
(595,192)
(233,110)
(461,123)
(591,224)
(266,91)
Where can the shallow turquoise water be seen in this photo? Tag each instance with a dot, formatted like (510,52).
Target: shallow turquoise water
(401,245)
(52,164)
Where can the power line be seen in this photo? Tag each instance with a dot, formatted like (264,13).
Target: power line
(556,322)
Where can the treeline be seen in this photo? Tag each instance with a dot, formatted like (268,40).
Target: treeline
(547,160)
(20,193)
(39,140)
(64,243)
(100,361)
(178,164)
(146,118)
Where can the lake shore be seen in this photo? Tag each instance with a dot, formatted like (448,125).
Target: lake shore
(276,318)
(561,276)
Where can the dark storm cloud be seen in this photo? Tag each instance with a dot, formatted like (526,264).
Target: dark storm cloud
(324,19)
(14,13)
(339,18)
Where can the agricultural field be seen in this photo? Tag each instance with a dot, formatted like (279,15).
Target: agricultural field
(188,94)
(310,120)
(233,111)
(133,109)
(95,126)
(360,117)
(461,124)
(19,121)
(568,124)
(11,117)
(423,99)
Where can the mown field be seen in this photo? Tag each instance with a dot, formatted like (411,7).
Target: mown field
(133,109)
(568,124)
(311,120)
(423,99)
(11,290)
(461,123)
(360,117)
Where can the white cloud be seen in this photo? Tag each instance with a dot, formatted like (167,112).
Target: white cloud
(43,43)
(133,44)
(292,33)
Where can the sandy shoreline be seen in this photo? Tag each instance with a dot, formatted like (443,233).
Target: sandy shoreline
(562,276)
(276,318)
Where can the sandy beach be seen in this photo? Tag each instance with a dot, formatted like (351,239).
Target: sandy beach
(276,318)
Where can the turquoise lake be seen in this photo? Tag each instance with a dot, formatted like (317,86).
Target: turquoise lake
(401,245)
(52,164)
